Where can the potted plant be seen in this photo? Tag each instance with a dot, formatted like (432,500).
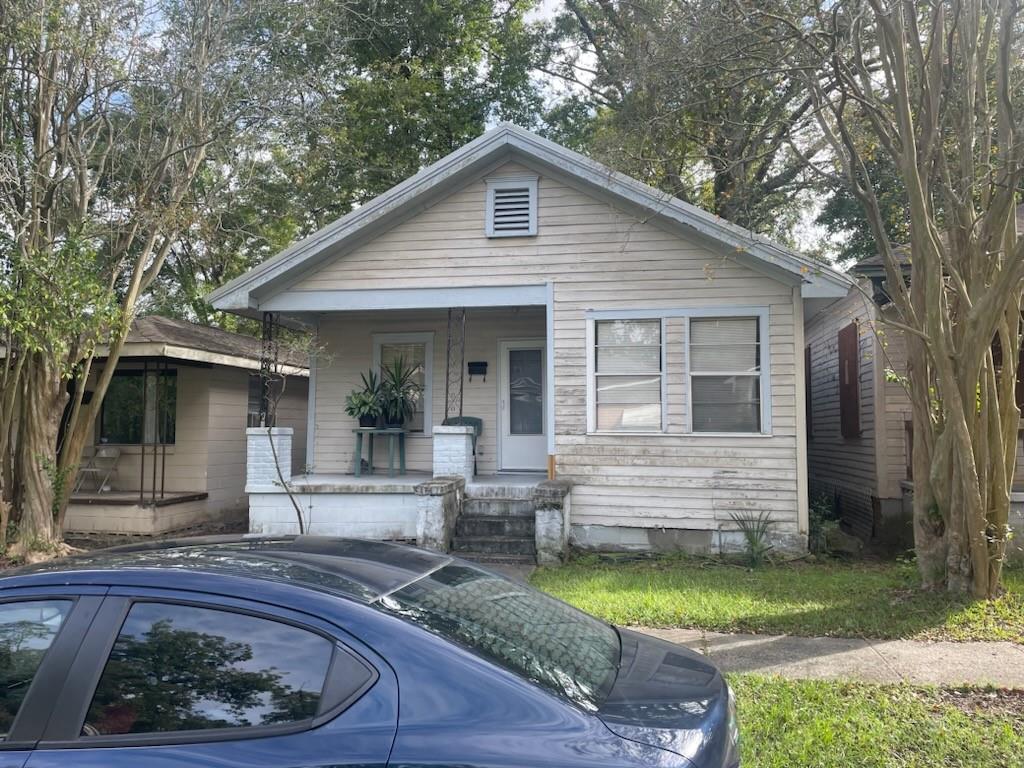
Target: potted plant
(366,404)
(399,392)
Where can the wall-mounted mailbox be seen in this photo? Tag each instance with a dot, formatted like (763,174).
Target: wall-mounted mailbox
(478,368)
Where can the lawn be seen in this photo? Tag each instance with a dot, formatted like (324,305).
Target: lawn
(790,723)
(879,600)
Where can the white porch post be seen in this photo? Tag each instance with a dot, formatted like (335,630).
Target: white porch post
(261,469)
(453,452)
(549,384)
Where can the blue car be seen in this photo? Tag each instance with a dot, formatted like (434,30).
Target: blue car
(303,652)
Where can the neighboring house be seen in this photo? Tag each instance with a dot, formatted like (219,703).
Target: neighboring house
(168,449)
(860,432)
(639,349)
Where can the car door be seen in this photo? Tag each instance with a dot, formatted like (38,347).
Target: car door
(185,679)
(40,632)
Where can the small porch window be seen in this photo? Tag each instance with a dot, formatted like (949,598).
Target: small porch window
(417,349)
(139,408)
(628,375)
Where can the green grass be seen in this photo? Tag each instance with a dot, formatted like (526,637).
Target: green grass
(822,599)
(790,723)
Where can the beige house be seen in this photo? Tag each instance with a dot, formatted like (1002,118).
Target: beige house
(621,342)
(168,449)
(859,417)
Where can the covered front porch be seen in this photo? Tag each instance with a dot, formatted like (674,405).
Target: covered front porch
(482,427)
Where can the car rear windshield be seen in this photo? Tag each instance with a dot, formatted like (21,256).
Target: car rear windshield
(516,627)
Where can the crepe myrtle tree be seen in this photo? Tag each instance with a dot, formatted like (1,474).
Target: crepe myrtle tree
(107,111)
(934,87)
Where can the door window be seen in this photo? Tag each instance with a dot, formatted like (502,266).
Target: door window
(186,668)
(27,630)
(525,390)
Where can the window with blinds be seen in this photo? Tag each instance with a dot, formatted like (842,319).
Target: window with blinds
(725,374)
(628,375)
(512,207)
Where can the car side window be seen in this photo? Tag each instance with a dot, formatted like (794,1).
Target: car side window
(187,668)
(27,630)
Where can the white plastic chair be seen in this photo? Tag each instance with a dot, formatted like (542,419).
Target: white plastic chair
(101,467)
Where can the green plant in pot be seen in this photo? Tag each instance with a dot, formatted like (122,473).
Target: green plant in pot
(400,393)
(366,404)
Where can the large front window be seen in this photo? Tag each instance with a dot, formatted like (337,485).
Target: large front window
(628,375)
(139,407)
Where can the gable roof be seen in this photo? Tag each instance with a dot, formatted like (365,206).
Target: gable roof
(158,336)
(501,144)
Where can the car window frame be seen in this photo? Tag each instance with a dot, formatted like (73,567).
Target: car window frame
(36,708)
(64,730)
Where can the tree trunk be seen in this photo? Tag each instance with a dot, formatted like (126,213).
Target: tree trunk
(43,401)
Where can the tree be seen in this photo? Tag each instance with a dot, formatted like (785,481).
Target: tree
(372,91)
(108,109)
(685,101)
(932,86)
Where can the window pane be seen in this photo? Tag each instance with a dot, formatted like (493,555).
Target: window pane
(629,402)
(725,344)
(726,403)
(137,407)
(121,420)
(626,359)
(27,630)
(525,388)
(628,332)
(414,354)
(182,668)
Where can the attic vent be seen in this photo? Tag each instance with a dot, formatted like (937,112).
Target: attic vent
(512,206)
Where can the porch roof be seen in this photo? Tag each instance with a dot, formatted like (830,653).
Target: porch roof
(250,291)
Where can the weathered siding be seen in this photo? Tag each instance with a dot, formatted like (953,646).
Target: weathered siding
(843,468)
(597,258)
(897,412)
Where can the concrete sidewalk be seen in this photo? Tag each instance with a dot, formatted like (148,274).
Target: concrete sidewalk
(877,661)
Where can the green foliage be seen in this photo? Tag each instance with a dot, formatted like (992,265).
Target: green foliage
(839,599)
(399,391)
(367,401)
(826,724)
(755,530)
(823,512)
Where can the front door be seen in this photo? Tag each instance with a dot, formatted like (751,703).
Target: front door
(522,437)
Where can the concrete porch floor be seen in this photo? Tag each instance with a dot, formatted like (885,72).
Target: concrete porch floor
(379,482)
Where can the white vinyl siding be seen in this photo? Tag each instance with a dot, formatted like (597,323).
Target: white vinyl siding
(598,259)
(725,374)
(628,376)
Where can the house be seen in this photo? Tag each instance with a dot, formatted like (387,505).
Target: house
(168,449)
(860,431)
(637,363)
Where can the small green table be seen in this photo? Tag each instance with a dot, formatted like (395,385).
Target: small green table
(394,435)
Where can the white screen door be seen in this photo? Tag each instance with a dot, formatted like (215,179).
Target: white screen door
(521,407)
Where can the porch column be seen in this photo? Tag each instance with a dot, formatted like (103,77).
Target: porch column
(261,467)
(453,452)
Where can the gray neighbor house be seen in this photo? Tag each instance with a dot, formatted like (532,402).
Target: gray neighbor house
(635,364)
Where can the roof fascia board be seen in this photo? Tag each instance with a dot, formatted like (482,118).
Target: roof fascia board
(408,298)
(188,354)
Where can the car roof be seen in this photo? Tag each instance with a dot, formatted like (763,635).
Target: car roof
(361,570)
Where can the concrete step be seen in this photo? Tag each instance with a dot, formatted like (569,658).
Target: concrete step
(489,491)
(497,506)
(495,525)
(495,545)
(492,559)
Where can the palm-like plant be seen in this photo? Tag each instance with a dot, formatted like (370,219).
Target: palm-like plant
(400,392)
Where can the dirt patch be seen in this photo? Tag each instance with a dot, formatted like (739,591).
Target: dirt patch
(974,701)
(103,540)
